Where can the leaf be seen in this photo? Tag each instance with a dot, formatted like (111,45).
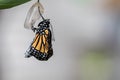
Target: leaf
(5,4)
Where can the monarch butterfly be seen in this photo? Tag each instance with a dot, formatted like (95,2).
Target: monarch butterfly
(41,46)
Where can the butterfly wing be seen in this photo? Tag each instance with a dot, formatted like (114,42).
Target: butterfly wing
(41,47)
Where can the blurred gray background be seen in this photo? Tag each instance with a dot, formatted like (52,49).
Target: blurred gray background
(81,28)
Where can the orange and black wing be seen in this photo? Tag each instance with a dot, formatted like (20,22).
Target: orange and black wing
(41,47)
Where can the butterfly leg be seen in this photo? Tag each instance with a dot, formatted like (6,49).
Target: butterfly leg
(33,29)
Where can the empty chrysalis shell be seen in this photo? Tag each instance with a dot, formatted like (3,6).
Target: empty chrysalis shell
(33,15)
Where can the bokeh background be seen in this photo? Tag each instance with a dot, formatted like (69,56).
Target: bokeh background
(86,47)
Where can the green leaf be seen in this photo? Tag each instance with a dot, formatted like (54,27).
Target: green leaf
(5,4)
